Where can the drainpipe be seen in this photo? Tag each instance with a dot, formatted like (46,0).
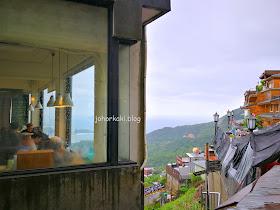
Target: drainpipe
(144,69)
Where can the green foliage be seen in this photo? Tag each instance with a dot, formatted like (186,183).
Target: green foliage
(259,122)
(187,201)
(148,182)
(167,143)
(149,206)
(260,87)
(156,206)
(195,180)
(163,180)
(183,189)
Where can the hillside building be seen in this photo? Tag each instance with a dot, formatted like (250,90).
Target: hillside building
(148,171)
(265,100)
(176,177)
(195,156)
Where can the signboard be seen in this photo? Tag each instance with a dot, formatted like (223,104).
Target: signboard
(19,108)
(199,173)
(214,165)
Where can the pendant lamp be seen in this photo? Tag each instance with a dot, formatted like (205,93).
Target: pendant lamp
(38,105)
(51,101)
(67,101)
(30,108)
(59,100)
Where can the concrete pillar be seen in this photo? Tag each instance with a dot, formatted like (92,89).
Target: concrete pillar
(100,107)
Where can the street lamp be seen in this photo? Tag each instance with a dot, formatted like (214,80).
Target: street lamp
(232,114)
(228,114)
(251,123)
(216,119)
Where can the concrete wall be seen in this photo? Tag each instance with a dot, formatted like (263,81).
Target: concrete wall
(216,185)
(99,188)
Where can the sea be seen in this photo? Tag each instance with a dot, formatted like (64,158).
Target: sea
(75,138)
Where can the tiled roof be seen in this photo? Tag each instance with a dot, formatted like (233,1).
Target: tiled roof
(270,115)
(275,75)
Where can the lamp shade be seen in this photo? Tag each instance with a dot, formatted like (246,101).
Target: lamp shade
(228,113)
(38,105)
(67,101)
(216,117)
(30,108)
(50,102)
(251,122)
(58,102)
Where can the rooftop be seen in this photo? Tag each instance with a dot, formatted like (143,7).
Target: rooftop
(263,194)
(200,163)
(195,155)
(268,73)
(270,115)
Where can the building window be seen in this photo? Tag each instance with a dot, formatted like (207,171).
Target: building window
(277,107)
(82,122)
(48,114)
(80,46)
(271,85)
(271,108)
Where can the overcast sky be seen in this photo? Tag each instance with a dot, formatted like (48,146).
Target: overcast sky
(203,56)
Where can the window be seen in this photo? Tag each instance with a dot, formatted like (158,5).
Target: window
(65,135)
(277,107)
(82,122)
(48,114)
(271,108)
(271,85)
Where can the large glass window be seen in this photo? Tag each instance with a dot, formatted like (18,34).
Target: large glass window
(54,48)
(48,114)
(82,135)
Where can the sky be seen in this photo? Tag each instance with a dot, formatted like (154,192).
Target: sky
(203,56)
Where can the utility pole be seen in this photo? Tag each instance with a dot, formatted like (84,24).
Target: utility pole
(207,172)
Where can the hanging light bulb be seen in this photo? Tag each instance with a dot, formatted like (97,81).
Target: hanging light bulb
(30,107)
(67,101)
(51,101)
(59,100)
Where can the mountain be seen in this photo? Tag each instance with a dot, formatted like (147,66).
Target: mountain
(167,143)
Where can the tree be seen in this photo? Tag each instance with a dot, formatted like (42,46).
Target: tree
(163,180)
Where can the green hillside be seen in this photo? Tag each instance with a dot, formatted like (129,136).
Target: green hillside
(167,143)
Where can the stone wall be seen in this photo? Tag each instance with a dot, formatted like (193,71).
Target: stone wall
(93,188)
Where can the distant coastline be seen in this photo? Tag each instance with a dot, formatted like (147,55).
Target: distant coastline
(80,131)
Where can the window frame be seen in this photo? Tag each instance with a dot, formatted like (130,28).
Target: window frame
(271,107)
(112,102)
(277,107)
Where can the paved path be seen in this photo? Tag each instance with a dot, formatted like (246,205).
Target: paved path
(151,198)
